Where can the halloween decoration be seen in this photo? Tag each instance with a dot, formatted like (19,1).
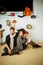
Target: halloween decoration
(27,11)
(14,22)
(0,26)
(29,26)
(12,14)
(1,34)
(8,22)
(21,16)
(33,16)
(2,10)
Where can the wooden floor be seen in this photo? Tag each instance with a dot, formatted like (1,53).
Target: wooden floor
(29,56)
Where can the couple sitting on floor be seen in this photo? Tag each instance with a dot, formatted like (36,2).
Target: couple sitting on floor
(15,42)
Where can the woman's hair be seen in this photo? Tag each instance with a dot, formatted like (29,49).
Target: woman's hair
(23,30)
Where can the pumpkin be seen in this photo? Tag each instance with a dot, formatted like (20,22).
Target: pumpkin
(27,11)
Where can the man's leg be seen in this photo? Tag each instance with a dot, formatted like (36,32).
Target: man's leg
(24,46)
(5,52)
(14,51)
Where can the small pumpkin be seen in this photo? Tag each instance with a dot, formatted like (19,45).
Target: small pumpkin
(12,14)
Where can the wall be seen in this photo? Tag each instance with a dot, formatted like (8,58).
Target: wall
(36,32)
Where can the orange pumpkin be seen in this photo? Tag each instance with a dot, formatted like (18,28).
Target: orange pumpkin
(27,11)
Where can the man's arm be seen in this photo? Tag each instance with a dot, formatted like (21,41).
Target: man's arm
(7,43)
(9,50)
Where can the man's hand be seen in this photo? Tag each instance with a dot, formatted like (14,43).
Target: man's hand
(9,51)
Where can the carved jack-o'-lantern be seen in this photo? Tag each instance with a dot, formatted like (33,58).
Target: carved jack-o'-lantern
(27,11)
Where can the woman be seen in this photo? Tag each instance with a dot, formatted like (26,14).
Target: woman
(25,36)
(20,41)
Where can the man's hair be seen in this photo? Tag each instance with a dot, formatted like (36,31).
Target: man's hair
(12,28)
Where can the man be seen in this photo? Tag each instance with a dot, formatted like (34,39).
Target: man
(11,45)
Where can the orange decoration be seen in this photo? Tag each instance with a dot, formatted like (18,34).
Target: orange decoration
(14,21)
(27,11)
